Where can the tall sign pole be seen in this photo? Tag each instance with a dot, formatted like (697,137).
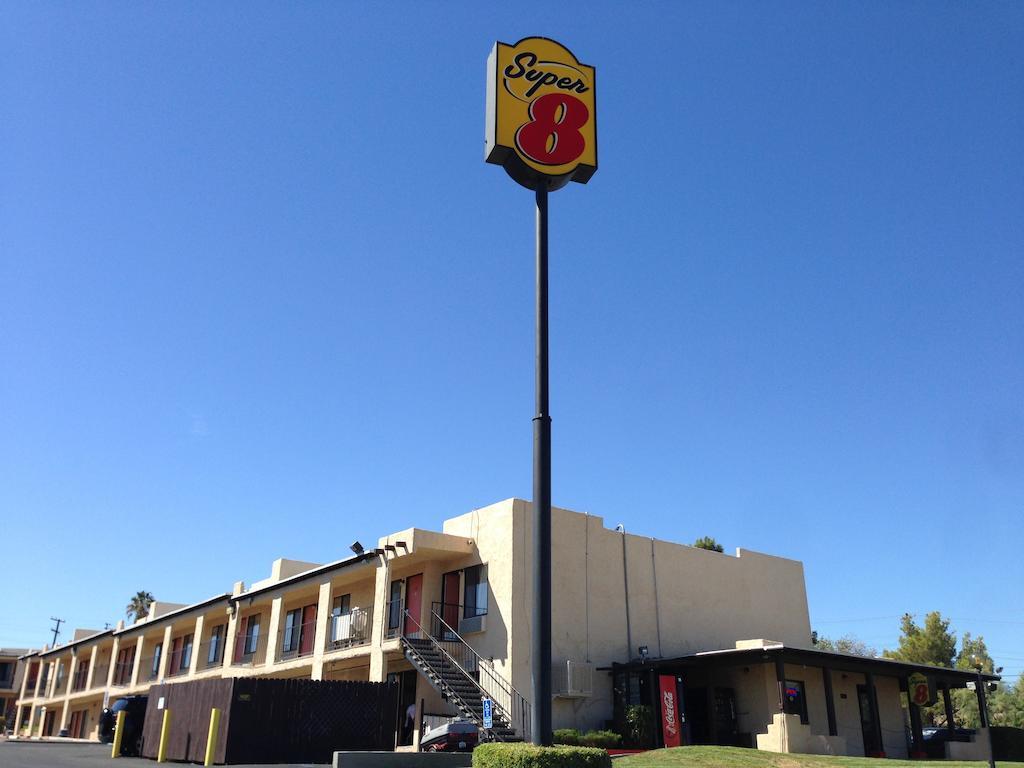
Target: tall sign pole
(540,648)
(542,128)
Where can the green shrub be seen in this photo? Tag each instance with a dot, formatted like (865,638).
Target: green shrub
(600,739)
(640,720)
(568,736)
(497,755)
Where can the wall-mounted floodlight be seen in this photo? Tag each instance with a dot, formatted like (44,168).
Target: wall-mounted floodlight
(356,547)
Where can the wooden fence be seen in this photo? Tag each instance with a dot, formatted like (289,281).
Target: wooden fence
(264,720)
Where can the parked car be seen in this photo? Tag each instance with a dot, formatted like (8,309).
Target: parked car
(134,708)
(456,736)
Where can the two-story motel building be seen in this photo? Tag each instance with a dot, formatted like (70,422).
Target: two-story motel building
(385,613)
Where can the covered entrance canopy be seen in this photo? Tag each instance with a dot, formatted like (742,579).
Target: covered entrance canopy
(836,703)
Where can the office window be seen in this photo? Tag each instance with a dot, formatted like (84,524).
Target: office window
(252,633)
(475,592)
(794,700)
(216,650)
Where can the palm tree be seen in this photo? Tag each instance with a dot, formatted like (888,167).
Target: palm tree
(139,605)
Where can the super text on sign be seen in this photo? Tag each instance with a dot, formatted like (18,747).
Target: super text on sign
(541,113)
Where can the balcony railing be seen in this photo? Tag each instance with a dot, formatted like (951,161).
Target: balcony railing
(30,686)
(249,651)
(352,629)
(150,669)
(179,670)
(123,673)
(297,641)
(80,679)
(211,654)
(99,675)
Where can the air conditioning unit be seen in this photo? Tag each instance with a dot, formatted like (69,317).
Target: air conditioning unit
(472,624)
(350,627)
(574,679)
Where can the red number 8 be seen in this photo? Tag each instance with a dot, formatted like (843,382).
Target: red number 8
(552,137)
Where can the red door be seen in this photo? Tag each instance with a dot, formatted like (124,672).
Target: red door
(308,630)
(175,657)
(240,640)
(413,603)
(450,596)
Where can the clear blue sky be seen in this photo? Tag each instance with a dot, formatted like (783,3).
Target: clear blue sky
(261,296)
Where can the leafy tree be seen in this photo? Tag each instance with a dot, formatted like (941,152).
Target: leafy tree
(931,644)
(965,703)
(845,644)
(935,644)
(706,542)
(138,606)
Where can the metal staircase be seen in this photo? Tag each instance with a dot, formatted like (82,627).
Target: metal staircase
(464,678)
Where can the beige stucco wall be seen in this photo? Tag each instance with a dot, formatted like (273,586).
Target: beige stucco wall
(681,599)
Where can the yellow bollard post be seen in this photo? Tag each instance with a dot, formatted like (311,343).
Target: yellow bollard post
(165,734)
(211,739)
(115,751)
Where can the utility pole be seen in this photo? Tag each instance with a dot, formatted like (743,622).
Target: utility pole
(56,629)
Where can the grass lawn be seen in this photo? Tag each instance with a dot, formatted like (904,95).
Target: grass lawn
(734,757)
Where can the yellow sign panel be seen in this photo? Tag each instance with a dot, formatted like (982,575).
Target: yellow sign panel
(919,690)
(541,113)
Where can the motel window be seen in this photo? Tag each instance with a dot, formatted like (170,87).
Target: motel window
(395,605)
(475,592)
(342,606)
(292,622)
(794,700)
(252,634)
(216,645)
(157,652)
(186,653)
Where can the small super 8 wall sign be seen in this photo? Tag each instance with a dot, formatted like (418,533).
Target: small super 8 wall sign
(541,113)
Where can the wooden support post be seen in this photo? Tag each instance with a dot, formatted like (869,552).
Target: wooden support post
(211,739)
(916,733)
(876,715)
(830,704)
(948,703)
(115,750)
(165,735)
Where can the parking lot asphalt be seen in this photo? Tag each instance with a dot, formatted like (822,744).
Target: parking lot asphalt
(36,754)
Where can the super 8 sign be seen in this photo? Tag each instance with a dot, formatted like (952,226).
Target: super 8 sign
(541,113)
(919,690)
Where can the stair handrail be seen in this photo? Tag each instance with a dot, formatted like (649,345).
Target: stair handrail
(479,658)
(469,676)
(515,697)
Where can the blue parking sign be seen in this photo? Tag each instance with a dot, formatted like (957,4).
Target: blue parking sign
(488,713)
